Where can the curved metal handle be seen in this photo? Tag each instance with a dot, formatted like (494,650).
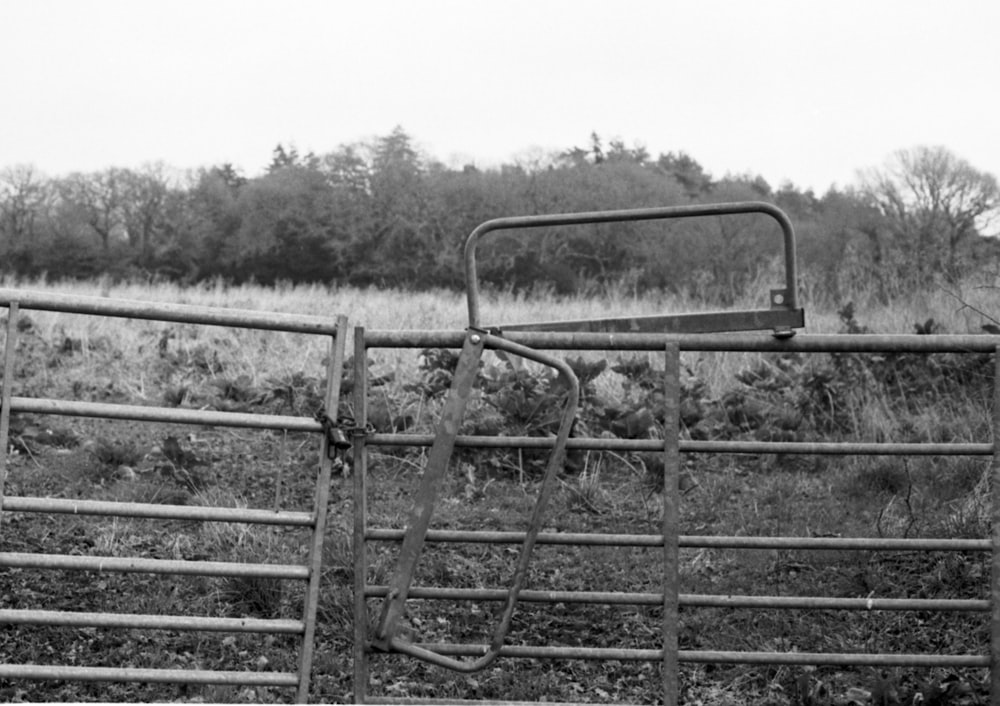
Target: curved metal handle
(789,299)
(393,607)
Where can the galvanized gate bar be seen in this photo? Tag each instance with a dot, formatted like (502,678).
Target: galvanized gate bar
(331,406)
(179,567)
(784,302)
(175,313)
(929,544)
(170,415)
(704,342)
(696,600)
(202,513)
(671,519)
(143,621)
(810,448)
(153,676)
(995,537)
(5,396)
(360,508)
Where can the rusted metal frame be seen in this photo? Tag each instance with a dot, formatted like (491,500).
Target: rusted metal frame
(784,299)
(158,676)
(360,503)
(175,313)
(695,600)
(434,471)
(671,520)
(334,368)
(73,562)
(703,342)
(107,508)
(723,657)
(463,377)
(171,415)
(995,538)
(145,621)
(10,346)
(845,448)
(695,541)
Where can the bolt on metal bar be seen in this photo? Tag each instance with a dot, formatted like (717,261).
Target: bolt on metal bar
(205,513)
(144,621)
(72,562)
(160,311)
(155,676)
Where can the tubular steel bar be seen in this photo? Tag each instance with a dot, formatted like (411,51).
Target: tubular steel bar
(671,519)
(696,600)
(811,448)
(179,567)
(335,364)
(995,538)
(360,503)
(160,676)
(704,342)
(177,313)
(204,513)
(10,346)
(171,415)
(786,299)
(696,541)
(141,621)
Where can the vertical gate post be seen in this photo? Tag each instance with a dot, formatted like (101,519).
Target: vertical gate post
(334,366)
(671,503)
(360,504)
(995,537)
(10,348)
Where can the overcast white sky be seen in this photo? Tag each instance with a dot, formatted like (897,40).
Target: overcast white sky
(791,90)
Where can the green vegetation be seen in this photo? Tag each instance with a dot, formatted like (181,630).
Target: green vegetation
(725,396)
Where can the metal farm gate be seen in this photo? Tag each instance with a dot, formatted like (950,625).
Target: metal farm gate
(381,601)
(382,631)
(334,329)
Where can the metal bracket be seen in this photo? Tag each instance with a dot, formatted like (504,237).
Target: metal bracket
(388,635)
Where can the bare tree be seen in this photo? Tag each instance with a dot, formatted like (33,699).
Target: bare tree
(933,203)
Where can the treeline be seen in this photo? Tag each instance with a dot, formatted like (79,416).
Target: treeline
(381,213)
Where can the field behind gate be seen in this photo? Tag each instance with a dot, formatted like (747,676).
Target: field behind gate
(725,396)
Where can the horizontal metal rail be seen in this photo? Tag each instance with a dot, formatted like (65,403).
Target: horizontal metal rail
(695,600)
(154,676)
(694,541)
(720,657)
(688,446)
(161,311)
(72,562)
(108,508)
(706,342)
(173,415)
(142,621)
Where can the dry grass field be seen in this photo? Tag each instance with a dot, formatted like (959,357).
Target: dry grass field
(734,396)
